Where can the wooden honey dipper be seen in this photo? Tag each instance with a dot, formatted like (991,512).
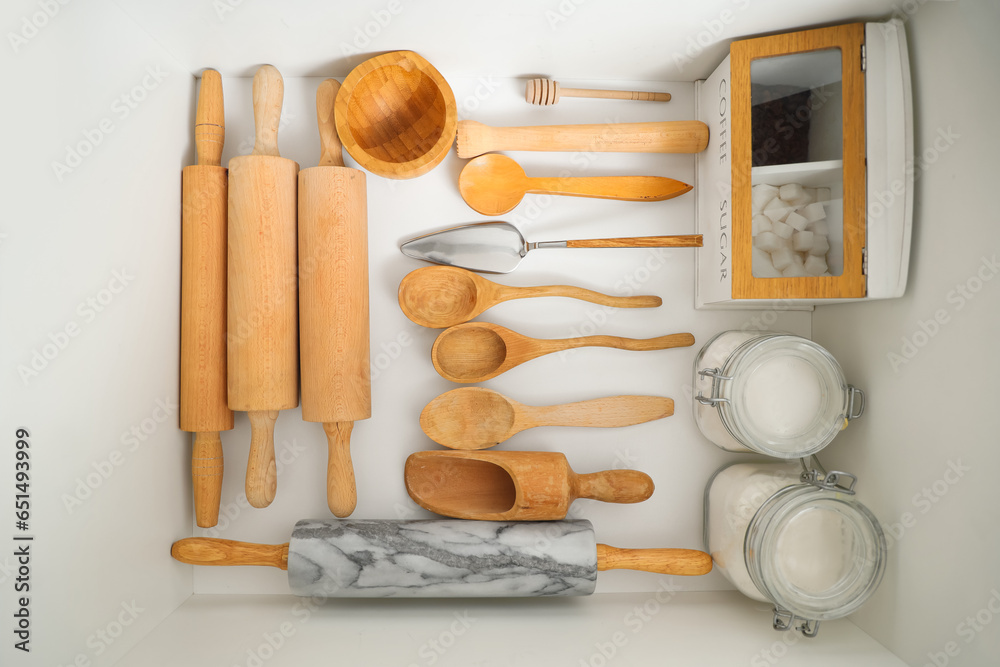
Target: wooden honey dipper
(547,92)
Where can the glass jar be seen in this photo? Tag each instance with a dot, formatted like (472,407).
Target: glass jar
(796,537)
(771,393)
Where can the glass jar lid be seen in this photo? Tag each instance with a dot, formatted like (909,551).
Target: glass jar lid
(815,552)
(787,396)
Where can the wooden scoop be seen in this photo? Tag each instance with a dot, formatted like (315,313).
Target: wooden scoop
(513,486)
(477,351)
(478,418)
(442,296)
(494,184)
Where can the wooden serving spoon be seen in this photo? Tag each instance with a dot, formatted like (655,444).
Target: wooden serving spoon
(494,184)
(513,486)
(442,296)
(478,418)
(477,351)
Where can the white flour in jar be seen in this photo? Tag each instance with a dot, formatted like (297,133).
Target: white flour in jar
(737,492)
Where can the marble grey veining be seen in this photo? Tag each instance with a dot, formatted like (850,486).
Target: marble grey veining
(442,558)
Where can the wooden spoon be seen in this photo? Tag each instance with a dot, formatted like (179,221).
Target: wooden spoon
(442,296)
(478,418)
(494,184)
(513,486)
(477,351)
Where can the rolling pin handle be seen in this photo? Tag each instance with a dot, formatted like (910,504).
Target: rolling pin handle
(206,476)
(268,94)
(681,562)
(341,489)
(331,154)
(262,472)
(210,120)
(213,551)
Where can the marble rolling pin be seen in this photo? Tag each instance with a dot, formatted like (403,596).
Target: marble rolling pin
(203,408)
(441,558)
(263,367)
(333,302)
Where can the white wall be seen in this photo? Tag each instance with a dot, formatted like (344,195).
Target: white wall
(934,400)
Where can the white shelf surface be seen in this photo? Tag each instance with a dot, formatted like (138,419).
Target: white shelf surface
(119,210)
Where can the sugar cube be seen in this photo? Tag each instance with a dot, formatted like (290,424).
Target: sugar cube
(767,242)
(777,210)
(814,212)
(796,221)
(820,246)
(761,265)
(794,271)
(815,265)
(822,194)
(792,193)
(782,258)
(782,230)
(759,224)
(761,195)
(802,241)
(819,228)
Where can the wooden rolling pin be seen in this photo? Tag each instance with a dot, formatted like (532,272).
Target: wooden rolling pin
(333,301)
(203,408)
(546,92)
(441,558)
(263,335)
(679,136)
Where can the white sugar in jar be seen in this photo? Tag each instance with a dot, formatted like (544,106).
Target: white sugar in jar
(799,541)
(771,393)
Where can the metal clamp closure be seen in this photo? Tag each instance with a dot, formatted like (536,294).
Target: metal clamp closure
(786,620)
(828,481)
(717,379)
(856,402)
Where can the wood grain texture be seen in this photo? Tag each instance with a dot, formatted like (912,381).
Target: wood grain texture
(682,241)
(333,303)
(682,562)
(478,351)
(207,467)
(210,120)
(204,197)
(396,115)
(472,418)
(214,551)
(443,296)
(512,486)
(262,471)
(851,283)
(341,489)
(679,136)
(263,370)
(546,92)
(494,184)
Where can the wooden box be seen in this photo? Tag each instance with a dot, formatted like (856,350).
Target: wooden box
(825,112)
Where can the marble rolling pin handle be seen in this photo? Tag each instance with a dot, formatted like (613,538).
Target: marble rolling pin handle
(683,562)
(203,408)
(678,136)
(546,92)
(213,551)
(263,371)
(333,307)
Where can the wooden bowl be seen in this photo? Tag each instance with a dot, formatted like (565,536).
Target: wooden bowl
(396,115)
